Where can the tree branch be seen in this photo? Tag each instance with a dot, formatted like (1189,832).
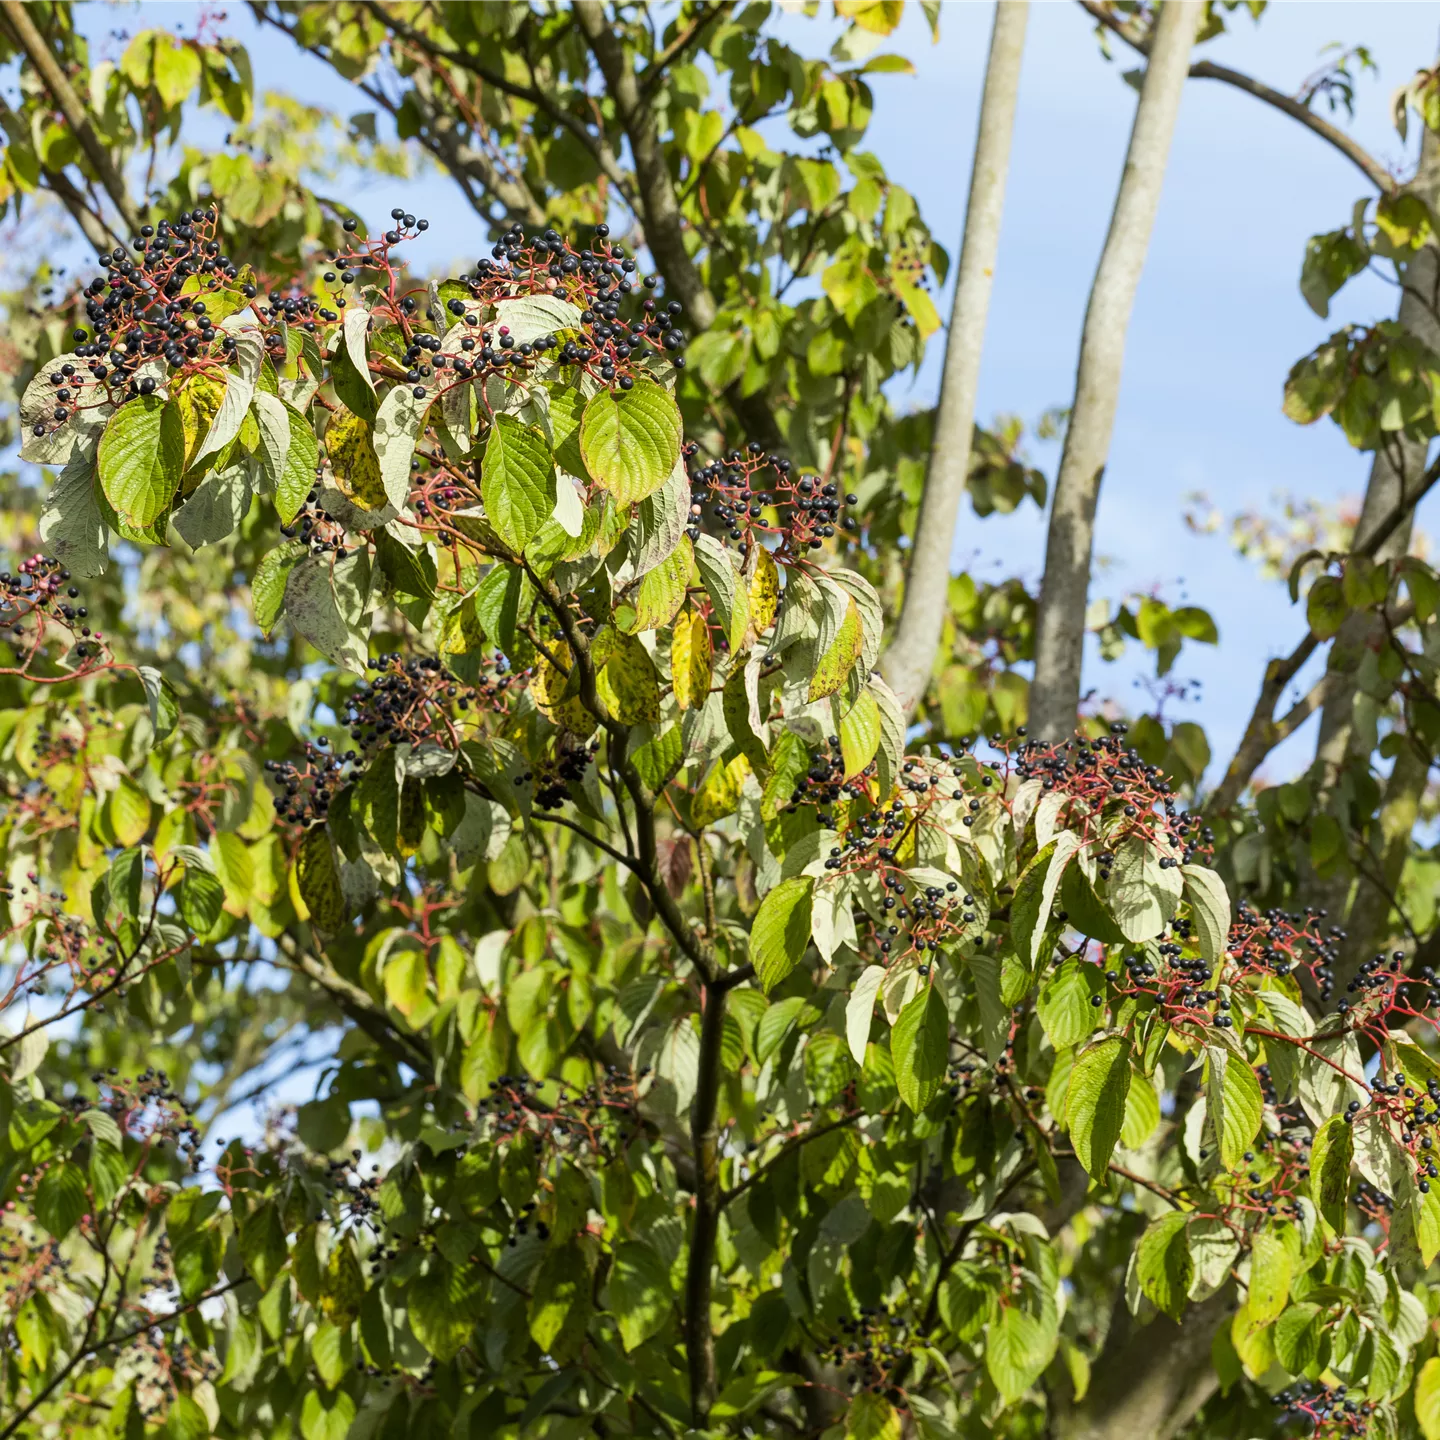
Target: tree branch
(358,1006)
(908,660)
(1361,158)
(1262,732)
(664,226)
(77,117)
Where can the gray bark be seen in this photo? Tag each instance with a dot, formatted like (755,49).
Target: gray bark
(1357,903)
(907,663)
(1060,622)
(1150,1379)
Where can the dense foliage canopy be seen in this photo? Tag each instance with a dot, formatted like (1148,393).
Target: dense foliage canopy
(470,683)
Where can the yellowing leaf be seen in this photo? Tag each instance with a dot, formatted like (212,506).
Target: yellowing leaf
(690,660)
(627,682)
(844,651)
(763,578)
(720,793)
(318,879)
(661,591)
(550,686)
(198,398)
(351,448)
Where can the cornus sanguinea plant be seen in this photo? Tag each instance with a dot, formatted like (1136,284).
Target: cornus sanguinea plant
(701,1060)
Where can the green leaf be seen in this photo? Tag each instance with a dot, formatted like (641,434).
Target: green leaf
(240,381)
(61,1199)
(860,1010)
(443,1306)
(216,508)
(860,734)
(630,439)
(1095,1103)
(1330,1158)
(560,1303)
(1325,607)
(1427,1399)
(1143,896)
(1270,1270)
(1163,1264)
(872,1417)
(398,424)
(517,481)
(640,1293)
(1017,1349)
(1064,1005)
(297,477)
(326,1417)
(781,930)
(142,453)
(1234,1102)
(202,899)
(71,525)
(1209,908)
(267,589)
(920,1043)
(327,601)
(187,1421)
(1299,1333)
(317,878)
(164,708)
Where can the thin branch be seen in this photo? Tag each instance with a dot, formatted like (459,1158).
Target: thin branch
(654,73)
(76,116)
(794,1143)
(86,1351)
(598,147)
(358,1005)
(1372,169)
(1262,731)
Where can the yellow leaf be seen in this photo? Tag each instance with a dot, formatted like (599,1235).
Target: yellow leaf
(690,667)
(351,449)
(662,590)
(764,584)
(198,399)
(844,651)
(627,682)
(720,793)
(549,687)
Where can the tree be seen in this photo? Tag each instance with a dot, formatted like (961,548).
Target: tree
(1070,539)
(910,656)
(435,679)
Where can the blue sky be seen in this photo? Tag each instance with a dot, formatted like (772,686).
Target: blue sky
(1218,320)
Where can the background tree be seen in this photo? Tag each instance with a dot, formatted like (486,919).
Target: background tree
(470,681)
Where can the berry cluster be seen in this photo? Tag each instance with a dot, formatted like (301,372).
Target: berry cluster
(42,594)
(598,1119)
(148,308)
(751,493)
(869,1346)
(555,777)
(410,701)
(1104,779)
(308,786)
(596,280)
(1325,1410)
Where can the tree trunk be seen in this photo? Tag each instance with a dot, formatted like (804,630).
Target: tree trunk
(1395,470)
(1149,1380)
(907,662)
(1060,622)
